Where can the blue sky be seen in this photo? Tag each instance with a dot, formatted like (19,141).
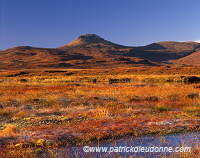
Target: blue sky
(53,23)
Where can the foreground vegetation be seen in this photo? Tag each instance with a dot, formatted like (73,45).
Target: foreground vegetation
(53,108)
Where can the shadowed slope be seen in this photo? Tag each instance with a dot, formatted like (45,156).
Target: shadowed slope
(164,51)
(193,59)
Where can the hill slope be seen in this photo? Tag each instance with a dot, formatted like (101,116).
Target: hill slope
(192,59)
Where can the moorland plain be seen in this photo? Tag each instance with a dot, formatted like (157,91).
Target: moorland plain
(49,108)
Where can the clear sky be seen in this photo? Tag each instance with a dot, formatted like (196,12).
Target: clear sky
(53,23)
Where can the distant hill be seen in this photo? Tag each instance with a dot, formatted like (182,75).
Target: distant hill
(164,51)
(92,51)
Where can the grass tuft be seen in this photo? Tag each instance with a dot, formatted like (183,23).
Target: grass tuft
(10,131)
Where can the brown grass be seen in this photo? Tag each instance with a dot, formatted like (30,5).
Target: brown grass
(9,131)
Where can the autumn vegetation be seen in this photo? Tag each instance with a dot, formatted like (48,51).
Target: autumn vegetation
(51,108)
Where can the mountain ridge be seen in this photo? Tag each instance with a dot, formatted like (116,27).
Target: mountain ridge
(92,51)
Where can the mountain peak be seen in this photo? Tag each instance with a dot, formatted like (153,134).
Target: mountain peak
(87,39)
(89,36)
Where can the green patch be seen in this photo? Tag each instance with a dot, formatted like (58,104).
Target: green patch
(161,108)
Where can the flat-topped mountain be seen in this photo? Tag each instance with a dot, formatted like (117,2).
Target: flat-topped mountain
(92,51)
